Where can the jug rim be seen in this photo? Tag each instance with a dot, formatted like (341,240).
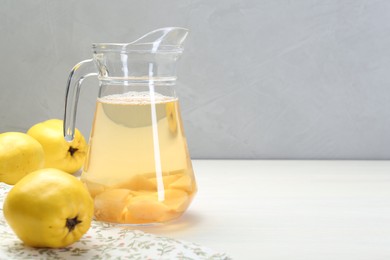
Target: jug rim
(140,48)
(163,40)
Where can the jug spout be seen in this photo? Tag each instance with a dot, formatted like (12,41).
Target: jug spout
(153,56)
(163,39)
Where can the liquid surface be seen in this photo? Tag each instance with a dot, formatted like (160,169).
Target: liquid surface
(138,168)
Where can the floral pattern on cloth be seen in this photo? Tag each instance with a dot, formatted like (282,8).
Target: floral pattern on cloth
(104,241)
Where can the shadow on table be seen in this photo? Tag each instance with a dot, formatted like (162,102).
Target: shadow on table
(187,221)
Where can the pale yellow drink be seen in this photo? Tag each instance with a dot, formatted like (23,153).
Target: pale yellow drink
(138,169)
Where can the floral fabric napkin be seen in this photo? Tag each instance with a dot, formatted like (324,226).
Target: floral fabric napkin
(104,241)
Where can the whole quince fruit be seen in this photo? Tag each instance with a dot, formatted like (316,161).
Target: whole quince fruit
(20,154)
(49,208)
(59,153)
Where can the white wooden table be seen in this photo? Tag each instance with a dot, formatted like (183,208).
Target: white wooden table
(289,209)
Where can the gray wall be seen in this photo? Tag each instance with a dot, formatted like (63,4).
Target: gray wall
(258,79)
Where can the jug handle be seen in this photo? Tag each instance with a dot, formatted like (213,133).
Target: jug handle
(79,72)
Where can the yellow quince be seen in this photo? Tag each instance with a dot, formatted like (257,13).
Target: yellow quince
(49,208)
(59,154)
(20,154)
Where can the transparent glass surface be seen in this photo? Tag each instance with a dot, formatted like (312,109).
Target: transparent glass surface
(138,169)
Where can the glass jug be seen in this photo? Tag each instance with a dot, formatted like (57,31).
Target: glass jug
(138,169)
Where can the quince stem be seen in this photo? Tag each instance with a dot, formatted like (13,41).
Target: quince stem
(71,223)
(72,150)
